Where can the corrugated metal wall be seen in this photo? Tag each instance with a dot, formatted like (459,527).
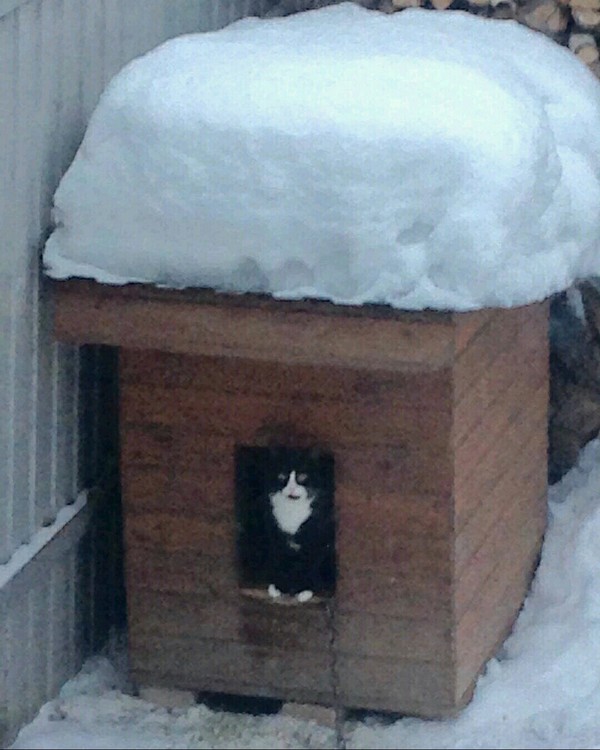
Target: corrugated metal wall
(55,58)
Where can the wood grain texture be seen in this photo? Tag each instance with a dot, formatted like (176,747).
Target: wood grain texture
(483,627)
(182,572)
(393,550)
(523,407)
(433,486)
(243,417)
(252,327)
(389,593)
(512,534)
(241,619)
(467,326)
(518,481)
(217,683)
(497,335)
(178,533)
(422,688)
(380,635)
(515,371)
(411,468)
(498,460)
(186,477)
(404,517)
(301,384)
(500,455)
(200,664)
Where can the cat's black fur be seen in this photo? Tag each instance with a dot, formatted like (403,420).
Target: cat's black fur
(304,560)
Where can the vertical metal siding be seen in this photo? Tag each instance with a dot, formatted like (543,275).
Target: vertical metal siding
(56,57)
(6,65)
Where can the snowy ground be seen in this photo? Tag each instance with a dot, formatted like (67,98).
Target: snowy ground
(542,692)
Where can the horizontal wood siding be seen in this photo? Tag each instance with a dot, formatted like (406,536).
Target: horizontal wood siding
(500,434)
(252,327)
(440,477)
(182,417)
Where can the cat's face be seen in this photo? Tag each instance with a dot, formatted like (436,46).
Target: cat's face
(298,474)
(293,485)
(293,472)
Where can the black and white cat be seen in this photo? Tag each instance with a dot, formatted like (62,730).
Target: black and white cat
(299,524)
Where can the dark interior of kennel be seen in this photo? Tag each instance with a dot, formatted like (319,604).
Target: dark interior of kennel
(253,464)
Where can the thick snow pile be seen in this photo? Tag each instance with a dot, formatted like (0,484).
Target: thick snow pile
(542,692)
(420,159)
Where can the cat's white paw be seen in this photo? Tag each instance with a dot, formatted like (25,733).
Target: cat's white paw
(304,596)
(273,591)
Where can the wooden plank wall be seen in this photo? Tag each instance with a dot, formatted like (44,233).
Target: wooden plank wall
(189,625)
(55,58)
(251,326)
(440,496)
(500,447)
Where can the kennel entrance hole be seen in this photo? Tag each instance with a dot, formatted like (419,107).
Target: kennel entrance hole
(267,554)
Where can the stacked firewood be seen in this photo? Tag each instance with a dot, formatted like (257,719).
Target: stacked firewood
(572,23)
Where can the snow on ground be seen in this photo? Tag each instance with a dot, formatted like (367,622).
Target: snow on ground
(543,690)
(420,159)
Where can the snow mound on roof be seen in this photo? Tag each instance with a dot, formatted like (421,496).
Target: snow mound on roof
(419,159)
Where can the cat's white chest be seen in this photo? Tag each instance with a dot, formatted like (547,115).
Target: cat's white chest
(290,514)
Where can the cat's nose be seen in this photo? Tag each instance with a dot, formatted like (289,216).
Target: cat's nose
(293,496)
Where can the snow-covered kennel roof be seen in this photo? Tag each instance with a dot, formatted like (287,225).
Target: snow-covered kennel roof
(420,159)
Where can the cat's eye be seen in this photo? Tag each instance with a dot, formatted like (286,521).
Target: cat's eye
(282,477)
(301,478)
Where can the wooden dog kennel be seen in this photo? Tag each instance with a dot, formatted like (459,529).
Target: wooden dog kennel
(437,425)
